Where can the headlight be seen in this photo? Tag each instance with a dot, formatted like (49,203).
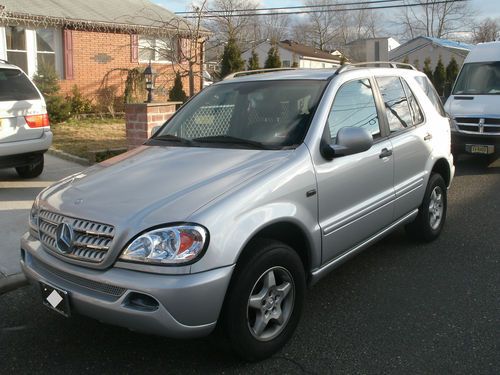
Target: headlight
(453,124)
(170,245)
(33,219)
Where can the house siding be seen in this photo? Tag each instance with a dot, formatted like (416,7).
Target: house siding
(420,48)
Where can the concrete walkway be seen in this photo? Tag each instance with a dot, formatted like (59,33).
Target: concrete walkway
(16,198)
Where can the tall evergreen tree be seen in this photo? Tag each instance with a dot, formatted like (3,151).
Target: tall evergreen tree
(451,74)
(231,58)
(177,93)
(273,58)
(427,68)
(416,64)
(253,61)
(439,77)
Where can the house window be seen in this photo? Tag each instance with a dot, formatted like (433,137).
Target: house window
(17,53)
(285,63)
(29,48)
(157,50)
(46,47)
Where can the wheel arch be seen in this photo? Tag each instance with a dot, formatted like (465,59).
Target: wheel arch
(442,167)
(287,232)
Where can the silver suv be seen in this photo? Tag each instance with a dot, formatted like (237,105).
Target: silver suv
(256,188)
(24,124)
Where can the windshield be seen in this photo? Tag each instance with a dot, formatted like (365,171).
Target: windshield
(258,114)
(479,79)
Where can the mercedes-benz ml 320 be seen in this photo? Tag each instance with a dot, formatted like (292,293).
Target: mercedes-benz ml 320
(256,188)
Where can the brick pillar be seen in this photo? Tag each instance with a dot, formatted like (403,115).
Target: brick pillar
(141,118)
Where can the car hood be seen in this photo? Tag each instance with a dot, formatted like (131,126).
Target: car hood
(479,105)
(152,185)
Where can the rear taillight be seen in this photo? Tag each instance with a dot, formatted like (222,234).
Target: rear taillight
(37,121)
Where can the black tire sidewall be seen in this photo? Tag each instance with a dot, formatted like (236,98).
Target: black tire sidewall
(265,255)
(428,232)
(32,170)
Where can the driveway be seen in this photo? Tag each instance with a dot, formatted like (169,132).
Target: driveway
(398,308)
(16,198)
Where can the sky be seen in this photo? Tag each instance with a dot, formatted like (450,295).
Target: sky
(484,8)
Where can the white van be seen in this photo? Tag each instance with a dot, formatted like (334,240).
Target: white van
(474,104)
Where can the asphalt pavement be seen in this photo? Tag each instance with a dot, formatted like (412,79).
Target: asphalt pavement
(397,308)
(16,198)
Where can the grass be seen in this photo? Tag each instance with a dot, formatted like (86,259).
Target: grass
(85,136)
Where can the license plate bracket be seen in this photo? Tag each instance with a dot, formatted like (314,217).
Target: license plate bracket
(481,149)
(55,299)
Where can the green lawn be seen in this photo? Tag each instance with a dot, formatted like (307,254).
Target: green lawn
(81,137)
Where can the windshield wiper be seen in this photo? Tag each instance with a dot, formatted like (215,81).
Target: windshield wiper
(231,140)
(172,138)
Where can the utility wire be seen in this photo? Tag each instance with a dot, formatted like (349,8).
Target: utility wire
(294,7)
(222,14)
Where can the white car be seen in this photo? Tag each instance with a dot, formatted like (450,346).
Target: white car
(24,123)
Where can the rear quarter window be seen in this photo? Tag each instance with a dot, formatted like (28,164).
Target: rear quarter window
(428,88)
(14,85)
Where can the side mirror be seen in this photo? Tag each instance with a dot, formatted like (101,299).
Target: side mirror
(350,140)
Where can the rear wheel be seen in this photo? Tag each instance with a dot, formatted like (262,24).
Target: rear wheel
(432,212)
(264,302)
(31,170)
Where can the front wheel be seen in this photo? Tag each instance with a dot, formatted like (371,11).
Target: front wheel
(264,302)
(432,212)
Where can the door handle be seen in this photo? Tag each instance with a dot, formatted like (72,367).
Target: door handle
(428,137)
(385,153)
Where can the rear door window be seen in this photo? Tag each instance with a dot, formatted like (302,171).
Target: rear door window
(14,85)
(416,111)
(396,103)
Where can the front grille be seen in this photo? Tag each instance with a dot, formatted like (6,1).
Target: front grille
(91,240)
(107,289)
(478,125)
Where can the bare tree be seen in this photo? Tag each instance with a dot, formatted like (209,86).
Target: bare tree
(182,45)
(434,18)
(274,28)
(486,31)
(224,24)
(334,26)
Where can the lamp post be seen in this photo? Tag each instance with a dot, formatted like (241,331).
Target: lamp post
(149,75)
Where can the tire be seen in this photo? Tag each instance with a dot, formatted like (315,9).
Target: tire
(264,301)
(32,170)
(432,212)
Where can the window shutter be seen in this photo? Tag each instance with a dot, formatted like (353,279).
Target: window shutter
(134,48)
(183,48)
(68,54)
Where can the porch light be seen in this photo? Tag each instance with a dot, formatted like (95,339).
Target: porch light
(149,75)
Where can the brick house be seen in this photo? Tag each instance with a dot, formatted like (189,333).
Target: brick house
(94,43)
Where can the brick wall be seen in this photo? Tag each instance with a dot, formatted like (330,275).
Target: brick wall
(101,59)
(142,118)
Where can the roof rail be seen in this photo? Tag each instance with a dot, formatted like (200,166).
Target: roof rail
(390,64)
(257,71)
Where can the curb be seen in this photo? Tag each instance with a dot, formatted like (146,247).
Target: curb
(12,282)
(69,157)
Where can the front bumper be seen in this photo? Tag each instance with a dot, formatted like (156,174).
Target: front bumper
(187,305)
(462,142)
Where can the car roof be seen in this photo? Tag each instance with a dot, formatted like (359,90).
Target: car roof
(5,64)
(316,74)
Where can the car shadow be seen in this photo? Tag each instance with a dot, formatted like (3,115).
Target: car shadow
(473,165)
